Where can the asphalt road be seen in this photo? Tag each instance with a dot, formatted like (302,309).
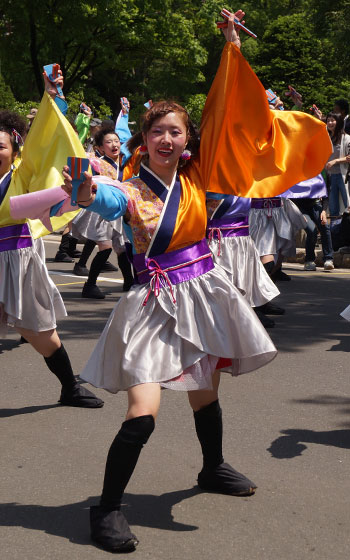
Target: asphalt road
(287,426)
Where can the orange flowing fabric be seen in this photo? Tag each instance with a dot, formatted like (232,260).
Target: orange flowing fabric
(247,149)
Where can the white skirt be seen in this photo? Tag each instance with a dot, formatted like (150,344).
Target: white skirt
(240,259)
(89,225)
(274,229)
(29,298)
(159,341)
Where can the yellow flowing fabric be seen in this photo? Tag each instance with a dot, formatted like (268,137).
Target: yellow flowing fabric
(247,149)
(50,141)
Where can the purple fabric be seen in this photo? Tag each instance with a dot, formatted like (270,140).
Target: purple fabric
(311,188)
(183,258)
(15,237)
(239,207)
(266,203)
(229,227)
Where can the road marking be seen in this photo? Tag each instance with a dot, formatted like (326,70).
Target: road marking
(100,278)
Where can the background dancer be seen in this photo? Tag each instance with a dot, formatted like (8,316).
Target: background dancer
(29,300)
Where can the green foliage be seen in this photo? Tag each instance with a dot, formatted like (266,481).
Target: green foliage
(195,106)
(153,49)
(7,99)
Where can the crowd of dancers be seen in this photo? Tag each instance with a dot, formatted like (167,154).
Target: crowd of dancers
(200,221)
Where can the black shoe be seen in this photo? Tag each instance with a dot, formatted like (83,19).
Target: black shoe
(22,340)
(78,396)
(265,321)
(80,270)
(92,291)
(280,276)
(63,257)
(109,267)
(110,530)
(224,479)
(271,309)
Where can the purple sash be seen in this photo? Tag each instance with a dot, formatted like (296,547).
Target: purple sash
(172,268)
(166,229)
(266,203)
(15,237)
(234,227)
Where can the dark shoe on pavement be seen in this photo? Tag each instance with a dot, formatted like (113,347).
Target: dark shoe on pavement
(92,291)
(63,257)
(280,276)
(265,321)
(224,479)
(22,340)
(109,267)
(80,270)
(80,397)
(271,309)
(110,530)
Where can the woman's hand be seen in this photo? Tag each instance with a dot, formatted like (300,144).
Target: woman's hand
(50,86)
(231,32)
(87,190)
(323,218)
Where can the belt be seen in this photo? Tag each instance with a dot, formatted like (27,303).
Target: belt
(168,269)
(16,236)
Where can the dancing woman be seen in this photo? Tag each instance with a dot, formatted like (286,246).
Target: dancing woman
(29,300)
(184,314)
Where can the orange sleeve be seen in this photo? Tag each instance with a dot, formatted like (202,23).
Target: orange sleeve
(248,150)
(132,166)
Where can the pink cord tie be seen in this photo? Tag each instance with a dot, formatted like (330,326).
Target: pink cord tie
(269,204)
(215,231)
(159,280)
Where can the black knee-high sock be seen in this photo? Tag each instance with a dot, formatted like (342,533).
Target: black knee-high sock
(64,245)
(125,267)
(208,423)
(97,265)
(269,266)
(122,458)
(86,252)
(59,364)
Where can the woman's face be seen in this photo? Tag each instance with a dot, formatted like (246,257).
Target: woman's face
(111,146)
(166,140)
(331,124)
(7,155)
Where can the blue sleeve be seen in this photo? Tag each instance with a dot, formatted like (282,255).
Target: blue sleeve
(122,128)
(110,202)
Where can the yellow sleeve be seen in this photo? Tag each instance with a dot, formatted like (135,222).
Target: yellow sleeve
(50,141)
(248,150)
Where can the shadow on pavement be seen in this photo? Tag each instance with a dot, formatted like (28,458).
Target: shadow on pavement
(72,521)
(8,412)
(312,315)
(8,344)
(292,443)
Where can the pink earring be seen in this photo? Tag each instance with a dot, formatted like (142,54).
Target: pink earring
(143,150)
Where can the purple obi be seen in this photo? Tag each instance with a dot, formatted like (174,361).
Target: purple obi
(234,227)
(266,203)
(172,268)
(15,237)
